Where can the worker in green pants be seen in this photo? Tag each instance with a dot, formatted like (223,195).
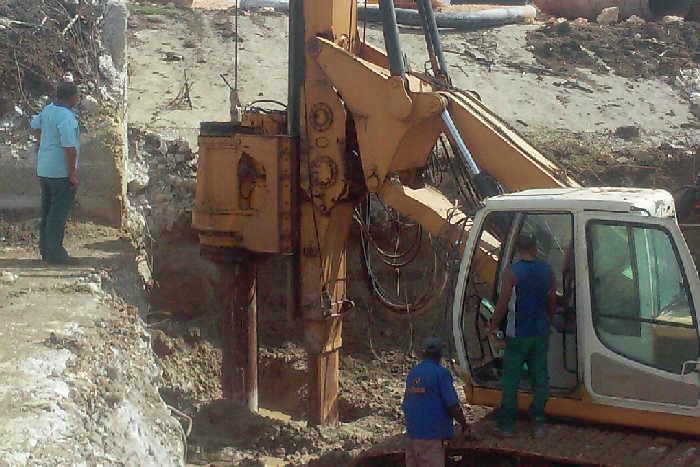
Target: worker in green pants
(58,132)
(528,296)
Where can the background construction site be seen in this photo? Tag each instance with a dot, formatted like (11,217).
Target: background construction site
(614,104)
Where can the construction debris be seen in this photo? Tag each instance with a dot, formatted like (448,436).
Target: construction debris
(627,132)
(608,16)
(688,81)
(161,182)
(635,20)
(8,277)
(668,19)
(62,38)
(630,50)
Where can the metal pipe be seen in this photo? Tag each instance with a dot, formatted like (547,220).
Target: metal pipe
(458,20)
(485,185)
(430,26)
(392,42)
(239,372)
(457,138)
(428,43)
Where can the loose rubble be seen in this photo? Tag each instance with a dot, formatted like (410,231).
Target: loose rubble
(80,381)
(161,182)
(608,16)
(8,277)
(688,81)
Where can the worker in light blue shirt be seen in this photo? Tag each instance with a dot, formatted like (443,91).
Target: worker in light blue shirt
(430,405)
(58,132)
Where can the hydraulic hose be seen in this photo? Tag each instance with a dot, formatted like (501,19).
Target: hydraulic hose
(391,38)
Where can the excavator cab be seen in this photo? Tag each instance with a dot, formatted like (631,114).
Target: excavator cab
(624,343)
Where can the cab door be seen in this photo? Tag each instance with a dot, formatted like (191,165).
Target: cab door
(639,289)
(489,252)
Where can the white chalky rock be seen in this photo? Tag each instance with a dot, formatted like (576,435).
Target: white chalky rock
(8,277)
(608,16)
(635,20)
(89,104)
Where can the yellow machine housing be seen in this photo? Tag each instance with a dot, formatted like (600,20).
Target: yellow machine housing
(243,197)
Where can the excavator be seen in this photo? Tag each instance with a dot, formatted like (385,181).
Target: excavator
(361,125)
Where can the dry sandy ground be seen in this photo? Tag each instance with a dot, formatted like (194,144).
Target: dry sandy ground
(214,4)
(80,382)
(206,44)
(493,62)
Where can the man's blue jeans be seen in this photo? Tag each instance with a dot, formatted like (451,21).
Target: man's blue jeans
(57,196)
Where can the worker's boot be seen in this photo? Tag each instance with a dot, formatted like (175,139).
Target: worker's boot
(503,432)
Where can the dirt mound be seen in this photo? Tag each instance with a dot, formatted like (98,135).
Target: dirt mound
(62,38)
(598,163)
(225,432)
(633,51)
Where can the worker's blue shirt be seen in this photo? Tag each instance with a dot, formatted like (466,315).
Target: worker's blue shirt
(429,392)
(59,129)
(528,316)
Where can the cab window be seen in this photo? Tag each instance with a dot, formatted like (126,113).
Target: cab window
(554,234)
(641,305)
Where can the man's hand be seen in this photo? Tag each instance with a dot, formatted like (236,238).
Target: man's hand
(71,156)
(463,433)
(499,314)
(37,135)
(458,415)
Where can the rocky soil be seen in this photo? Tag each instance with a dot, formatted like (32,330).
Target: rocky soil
(633,49)
(80,382)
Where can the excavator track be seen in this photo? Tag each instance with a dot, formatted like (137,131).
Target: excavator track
(564,444)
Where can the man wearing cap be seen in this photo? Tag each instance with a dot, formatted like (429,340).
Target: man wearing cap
(430,405)
(528,296)
(57,166)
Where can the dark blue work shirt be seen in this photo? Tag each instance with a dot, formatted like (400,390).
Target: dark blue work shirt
(429,392)
(528,317)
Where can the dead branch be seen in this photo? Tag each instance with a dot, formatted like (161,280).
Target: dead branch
(71,23)
(183,96)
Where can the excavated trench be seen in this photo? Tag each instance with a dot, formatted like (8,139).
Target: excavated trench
(185,297)
(184,307)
